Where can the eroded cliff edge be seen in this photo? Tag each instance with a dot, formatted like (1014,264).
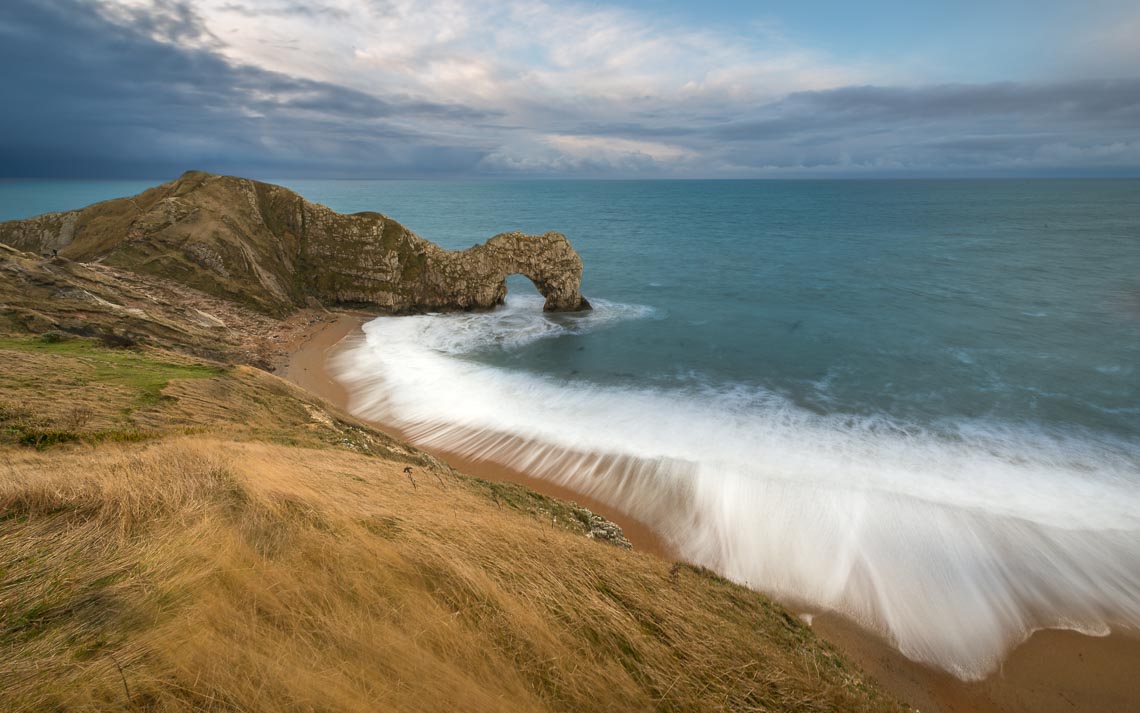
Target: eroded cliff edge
(267,247)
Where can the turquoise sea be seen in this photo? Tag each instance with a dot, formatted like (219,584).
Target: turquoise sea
(915,402)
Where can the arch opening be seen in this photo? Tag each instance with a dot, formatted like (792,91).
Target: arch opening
(520,284)
(556,297)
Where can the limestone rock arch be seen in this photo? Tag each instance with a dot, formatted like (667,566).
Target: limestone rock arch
(269,248)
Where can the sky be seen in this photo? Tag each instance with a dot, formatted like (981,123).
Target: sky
(590,89)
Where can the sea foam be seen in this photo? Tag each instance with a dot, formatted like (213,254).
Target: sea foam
(955,544)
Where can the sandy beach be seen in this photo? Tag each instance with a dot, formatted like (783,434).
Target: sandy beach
(1052,671)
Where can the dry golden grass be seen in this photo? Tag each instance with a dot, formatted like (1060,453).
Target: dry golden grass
(289,564)
(252,576)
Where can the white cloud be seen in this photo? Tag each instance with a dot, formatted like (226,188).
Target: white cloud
(513,49)
(568,88)
(544,67)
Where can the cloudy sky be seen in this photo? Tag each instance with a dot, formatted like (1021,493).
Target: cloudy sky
(633,88)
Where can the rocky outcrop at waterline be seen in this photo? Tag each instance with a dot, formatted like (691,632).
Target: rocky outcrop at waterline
(268,248)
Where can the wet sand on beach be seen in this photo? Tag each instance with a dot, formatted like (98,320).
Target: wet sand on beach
(1053,671)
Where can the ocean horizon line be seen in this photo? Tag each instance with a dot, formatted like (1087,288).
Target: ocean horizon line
(593,179)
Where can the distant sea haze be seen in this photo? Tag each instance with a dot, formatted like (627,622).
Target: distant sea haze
(914,402)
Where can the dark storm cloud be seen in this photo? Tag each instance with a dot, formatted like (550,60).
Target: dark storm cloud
(172,19)
(1066,125)
(87,96)
(1057,128)
(1110,102)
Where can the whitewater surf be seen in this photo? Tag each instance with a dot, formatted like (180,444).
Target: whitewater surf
(955,542)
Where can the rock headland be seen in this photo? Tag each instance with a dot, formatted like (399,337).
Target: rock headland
(268,248)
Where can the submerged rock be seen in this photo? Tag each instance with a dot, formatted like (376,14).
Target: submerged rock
(271,249)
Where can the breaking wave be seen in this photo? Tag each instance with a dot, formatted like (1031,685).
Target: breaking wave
(955,544)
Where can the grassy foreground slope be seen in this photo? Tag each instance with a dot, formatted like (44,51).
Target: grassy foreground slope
(190,535)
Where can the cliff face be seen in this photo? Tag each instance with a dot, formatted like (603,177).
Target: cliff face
(267,247)
(122,307)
